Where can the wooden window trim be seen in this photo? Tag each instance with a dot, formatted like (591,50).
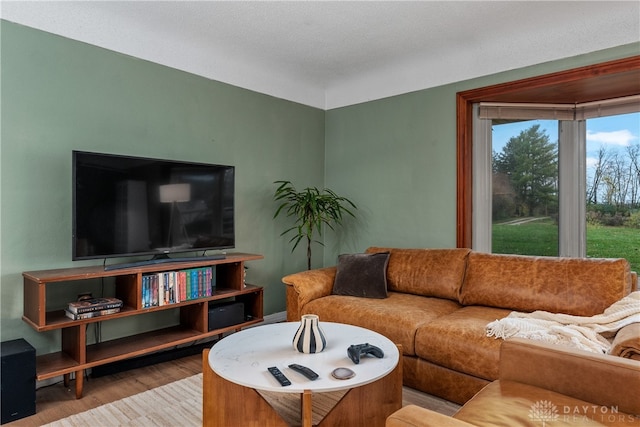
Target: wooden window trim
(607,80)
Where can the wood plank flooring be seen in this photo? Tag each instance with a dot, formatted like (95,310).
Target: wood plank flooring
(57,401)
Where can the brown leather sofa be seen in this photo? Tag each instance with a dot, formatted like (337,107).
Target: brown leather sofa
(440,301)
(541,384)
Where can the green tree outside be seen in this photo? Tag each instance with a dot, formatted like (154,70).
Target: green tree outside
(526,176)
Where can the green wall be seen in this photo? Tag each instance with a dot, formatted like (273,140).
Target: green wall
(395,158)
(59,95)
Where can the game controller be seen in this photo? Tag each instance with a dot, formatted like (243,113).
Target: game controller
(356,350)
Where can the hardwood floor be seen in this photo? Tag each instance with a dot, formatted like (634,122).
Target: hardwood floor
(57,401)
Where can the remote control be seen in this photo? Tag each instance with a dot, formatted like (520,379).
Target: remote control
(284,381)
(307,372)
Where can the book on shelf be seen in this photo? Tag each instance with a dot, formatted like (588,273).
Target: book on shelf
(90,314)
(94,304)
(172,287)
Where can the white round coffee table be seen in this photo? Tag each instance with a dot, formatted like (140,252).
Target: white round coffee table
(242,359)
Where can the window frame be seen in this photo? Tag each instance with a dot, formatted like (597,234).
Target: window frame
(607,80)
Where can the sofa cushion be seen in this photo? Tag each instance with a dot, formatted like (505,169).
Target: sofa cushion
(458,341)
(578,286)
(439,381)
(396,317)
(428,272)
(362,275)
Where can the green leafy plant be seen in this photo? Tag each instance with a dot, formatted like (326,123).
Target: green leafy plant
(311,209)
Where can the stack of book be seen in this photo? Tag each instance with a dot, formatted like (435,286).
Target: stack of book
(93,307)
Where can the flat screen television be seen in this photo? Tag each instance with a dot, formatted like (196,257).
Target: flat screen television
(129,206)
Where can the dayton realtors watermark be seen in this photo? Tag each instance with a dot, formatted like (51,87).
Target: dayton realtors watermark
(547,413)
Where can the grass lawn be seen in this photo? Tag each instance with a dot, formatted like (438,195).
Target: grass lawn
(614,242)
(541,238)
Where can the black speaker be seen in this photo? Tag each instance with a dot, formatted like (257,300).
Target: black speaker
(225,314)
(18,380)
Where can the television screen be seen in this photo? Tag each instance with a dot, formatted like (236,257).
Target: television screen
(125,206)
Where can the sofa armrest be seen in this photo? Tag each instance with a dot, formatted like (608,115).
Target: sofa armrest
(412,415)
(600,379)
(306,286)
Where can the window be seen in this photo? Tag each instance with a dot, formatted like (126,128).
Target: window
(535,201)
(615,79)
(613,187)
(524,187)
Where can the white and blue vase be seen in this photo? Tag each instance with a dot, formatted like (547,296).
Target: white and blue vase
(309,338)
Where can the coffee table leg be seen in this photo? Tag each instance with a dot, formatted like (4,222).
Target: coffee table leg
(307,409)
(368,405)
(225,403)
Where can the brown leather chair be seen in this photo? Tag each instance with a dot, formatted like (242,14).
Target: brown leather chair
(541,384)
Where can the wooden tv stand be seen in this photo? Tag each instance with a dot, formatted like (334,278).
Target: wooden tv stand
(77,355)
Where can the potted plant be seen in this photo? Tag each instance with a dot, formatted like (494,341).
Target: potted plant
(311,209)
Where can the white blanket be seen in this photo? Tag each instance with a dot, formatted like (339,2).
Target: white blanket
(586,333)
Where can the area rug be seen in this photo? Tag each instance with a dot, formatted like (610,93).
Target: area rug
(180,404)
(176,404)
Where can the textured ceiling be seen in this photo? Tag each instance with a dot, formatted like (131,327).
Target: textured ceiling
(331,54)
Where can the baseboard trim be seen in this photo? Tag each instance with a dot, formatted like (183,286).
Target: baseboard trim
(281,316)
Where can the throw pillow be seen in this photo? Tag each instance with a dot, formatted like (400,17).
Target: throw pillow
(362,275)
